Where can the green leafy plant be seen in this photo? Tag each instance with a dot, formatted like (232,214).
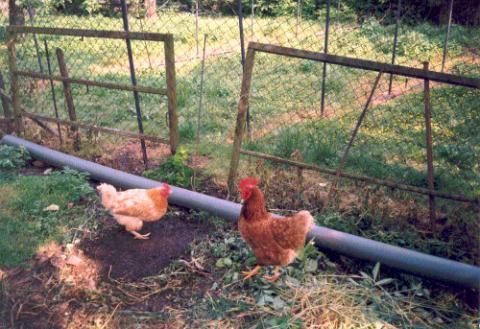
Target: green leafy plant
(13,157)
(373,278)
(174,171)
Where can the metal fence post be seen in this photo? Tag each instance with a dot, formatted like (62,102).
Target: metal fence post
(447,35)
(200,96)
(325,50)
(428,137)
(241,119)
(395,41)
(242,47)
(199,109)
(133,78)
(35,40)
(240,29)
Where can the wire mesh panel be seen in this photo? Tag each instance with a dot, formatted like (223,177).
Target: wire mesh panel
(101,99)
(290,97)
(365,134)
(356,29)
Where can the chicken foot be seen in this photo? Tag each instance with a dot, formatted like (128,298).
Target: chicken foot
(272,278)
(140,236)
(249,274)
(276,275)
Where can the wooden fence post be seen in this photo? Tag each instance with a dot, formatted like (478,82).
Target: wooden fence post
(68,97)
(241,119)
(52,88)
(171,93)
(429,143)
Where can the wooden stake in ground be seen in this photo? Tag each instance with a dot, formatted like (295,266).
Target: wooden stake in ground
(171,92)
(54,98)
(428,138)
(68,97)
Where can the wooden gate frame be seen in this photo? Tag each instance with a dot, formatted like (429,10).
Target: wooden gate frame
(405,71)
(169,91)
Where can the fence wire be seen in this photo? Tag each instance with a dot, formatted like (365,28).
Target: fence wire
(286,101)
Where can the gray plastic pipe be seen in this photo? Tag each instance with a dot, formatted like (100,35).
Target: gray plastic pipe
(399,258)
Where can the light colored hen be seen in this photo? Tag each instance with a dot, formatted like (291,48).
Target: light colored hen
(133,207)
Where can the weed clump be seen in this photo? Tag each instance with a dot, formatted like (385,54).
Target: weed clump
(174,171)
(13,157)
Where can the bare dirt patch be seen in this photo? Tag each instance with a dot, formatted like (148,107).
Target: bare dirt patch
(119,153)
(199,162)
(62,285)
(32,292)
(129,157)
(120,256)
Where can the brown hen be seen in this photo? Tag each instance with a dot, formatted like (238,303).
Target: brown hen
(274,241)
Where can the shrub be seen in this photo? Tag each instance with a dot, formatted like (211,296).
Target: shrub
(174,171)
(12,157)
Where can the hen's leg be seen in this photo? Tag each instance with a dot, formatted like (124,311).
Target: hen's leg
(248,274)
(132,225)
(276,275)
(140,236)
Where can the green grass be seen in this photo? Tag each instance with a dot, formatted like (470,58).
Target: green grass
(279,84)
(205,288)
(391,142)
(313,292)
(25,225)
(317,290)
(452,244)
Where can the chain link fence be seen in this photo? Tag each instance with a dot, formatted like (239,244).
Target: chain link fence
(367,157)
(286,120)
(290,97)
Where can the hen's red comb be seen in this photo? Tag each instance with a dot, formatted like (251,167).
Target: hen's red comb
(249,181)
(166,190)
(166,186)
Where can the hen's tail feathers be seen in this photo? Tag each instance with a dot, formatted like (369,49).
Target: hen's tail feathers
(308,218)
(108,194)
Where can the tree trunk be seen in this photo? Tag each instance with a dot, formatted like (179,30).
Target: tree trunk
(16,15)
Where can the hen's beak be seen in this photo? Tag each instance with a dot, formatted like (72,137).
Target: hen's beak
(242,201)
